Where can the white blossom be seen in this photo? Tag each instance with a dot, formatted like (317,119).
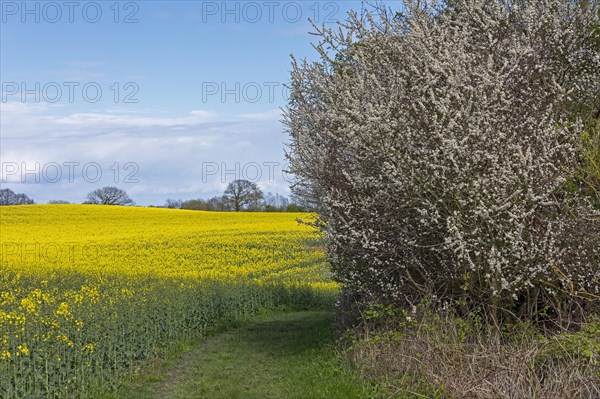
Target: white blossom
(437,146)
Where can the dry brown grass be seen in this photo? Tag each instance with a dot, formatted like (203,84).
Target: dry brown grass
(484,366)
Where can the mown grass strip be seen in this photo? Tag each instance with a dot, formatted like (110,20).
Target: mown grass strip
(281,355)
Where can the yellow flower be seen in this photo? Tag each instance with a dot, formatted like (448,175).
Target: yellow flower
(63,309)
(29,305)
(125,275)
(89,348)
(65,339)
(23,349)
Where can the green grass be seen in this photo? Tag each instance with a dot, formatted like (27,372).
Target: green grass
(282,355)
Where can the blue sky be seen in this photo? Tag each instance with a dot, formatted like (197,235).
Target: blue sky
(165,99)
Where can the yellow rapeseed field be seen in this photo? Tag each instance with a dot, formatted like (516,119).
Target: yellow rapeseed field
(89,292)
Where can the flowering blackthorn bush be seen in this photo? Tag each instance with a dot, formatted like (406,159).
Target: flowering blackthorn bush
(437,143)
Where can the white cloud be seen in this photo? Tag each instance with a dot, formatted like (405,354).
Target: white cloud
(273,115)
(7,109)
(175,156)
(112,119)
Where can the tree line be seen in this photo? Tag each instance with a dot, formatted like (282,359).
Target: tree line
(240,195)
(9,197)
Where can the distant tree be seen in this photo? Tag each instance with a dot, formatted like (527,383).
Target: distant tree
(58,202)
(173,204)
(8,197)
(294,208)
(300,203)
(194,205)
(108,196)
(213,204)
(242,195)
(217,203)
(275,203)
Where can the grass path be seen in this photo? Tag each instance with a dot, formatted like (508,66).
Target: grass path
(283,355)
